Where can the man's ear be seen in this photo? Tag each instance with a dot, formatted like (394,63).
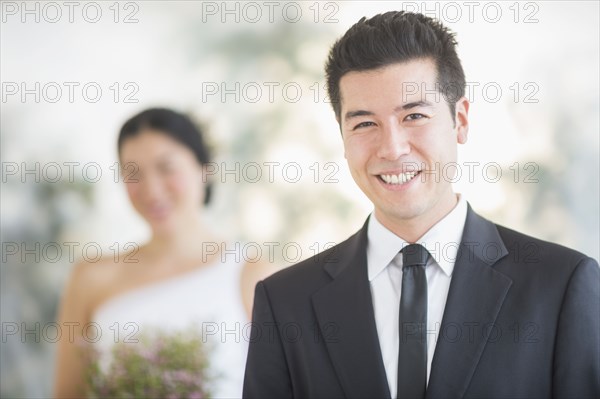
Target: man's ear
(461,117)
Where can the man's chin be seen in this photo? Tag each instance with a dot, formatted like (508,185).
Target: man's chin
(400,214)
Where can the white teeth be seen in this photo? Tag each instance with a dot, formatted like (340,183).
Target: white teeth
(399,178)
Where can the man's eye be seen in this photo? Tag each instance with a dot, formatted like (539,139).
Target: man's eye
(413,117)
(363,124)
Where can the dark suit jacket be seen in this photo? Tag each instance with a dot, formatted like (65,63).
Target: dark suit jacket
(522,320)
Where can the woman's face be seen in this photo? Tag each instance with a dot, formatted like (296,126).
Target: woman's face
(163,178)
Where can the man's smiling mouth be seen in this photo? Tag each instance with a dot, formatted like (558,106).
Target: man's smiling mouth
(399,178)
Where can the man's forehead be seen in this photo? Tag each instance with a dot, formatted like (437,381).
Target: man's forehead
(407,82)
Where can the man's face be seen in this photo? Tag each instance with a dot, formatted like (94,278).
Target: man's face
(398,134)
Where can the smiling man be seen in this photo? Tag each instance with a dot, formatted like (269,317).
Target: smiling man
(496,314)
(398,133)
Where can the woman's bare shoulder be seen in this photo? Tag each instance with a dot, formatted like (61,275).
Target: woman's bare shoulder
(92,282)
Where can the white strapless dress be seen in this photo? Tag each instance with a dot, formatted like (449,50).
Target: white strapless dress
(208,297)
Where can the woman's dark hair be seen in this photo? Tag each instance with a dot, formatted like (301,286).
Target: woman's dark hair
(173,124)
(395,37)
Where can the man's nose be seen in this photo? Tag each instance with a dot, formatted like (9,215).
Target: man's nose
(393,142)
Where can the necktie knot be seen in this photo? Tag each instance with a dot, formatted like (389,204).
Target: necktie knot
(414,255)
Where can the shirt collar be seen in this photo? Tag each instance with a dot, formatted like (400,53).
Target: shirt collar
(441,240)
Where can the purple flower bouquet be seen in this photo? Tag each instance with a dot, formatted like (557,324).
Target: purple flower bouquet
(161,365)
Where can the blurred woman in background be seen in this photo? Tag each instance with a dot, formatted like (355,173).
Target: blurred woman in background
(172,281)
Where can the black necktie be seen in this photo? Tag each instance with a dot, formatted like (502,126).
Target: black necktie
(412,355)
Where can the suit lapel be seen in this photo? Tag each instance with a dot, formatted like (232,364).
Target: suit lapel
(344,312)
(476,294)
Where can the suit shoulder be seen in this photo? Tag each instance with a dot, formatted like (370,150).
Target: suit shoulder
(311,271)
(536,249)
(309,268)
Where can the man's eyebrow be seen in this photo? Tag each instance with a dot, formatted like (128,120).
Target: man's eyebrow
(414,104)
(354,114)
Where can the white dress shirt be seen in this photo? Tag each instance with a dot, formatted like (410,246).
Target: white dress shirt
(384,264)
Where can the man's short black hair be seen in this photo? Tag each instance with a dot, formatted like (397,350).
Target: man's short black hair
(396,37)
